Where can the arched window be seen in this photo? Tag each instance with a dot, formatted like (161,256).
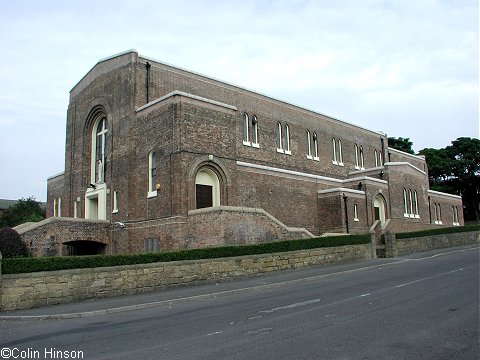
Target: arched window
(415,204)
(246,131)
(357,158)
(315,146)
(287,139)
(99,150)
(254,131)
(405,203)
(334,151)
(279,137)
(376,157)
(152,174)
(340,152)
(355,213)
(309,146)
(207,189)
(362,160)
(410,202)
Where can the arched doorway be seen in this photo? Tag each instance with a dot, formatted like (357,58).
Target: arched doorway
(207,189)
(379,208)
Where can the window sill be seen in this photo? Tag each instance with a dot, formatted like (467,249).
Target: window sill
(115,211)
(151,194)
(288,152)
(247,143)
(341,164)
(309,157)
(280,150)
(357,220)
(316,158)
(256,145)
(334,162)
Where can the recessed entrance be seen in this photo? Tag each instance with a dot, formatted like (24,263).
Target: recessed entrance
(379,209)
(207,189)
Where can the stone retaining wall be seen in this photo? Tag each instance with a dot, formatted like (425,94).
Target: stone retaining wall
(413,245)
(23,291)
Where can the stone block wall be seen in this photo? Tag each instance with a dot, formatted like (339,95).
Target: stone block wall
(427,243)
(23,291)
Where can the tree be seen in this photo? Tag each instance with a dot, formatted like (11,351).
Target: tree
(25,210)
(456,170)
(11,244)
(402,144)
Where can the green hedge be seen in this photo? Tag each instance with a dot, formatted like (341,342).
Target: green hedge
(439,231)
(28,265)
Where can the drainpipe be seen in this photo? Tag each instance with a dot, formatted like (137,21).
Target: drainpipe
(147,65)
(346,211)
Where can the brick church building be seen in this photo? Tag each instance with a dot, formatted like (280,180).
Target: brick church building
(158,157)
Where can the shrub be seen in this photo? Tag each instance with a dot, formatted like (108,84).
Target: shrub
(439,231)
(11,244)
(14,266)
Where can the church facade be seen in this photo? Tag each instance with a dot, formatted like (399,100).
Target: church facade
(173,159)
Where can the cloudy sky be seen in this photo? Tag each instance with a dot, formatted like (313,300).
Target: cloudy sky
(407,68)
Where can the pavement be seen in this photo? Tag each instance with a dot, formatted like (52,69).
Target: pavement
(191,293)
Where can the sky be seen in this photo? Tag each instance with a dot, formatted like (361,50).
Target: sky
(406,68)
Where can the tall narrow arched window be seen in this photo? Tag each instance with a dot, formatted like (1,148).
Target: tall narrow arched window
(357,159)
(376,157)
(279,137)
(99,150)
(246,131)
(287,139)
(439,214)
(334,151)
(152,174)
(315,146)
(405,203)
(410,202)
(362,160)
(415,204)
(340,152)
(309,146)
(254,131)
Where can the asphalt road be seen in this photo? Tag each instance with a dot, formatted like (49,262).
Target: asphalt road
(425,306)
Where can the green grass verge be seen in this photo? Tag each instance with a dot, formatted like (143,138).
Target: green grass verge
(439,231)
(35,264)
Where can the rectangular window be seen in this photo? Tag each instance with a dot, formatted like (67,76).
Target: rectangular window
(152,245)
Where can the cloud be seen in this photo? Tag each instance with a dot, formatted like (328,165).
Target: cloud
(408,68)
